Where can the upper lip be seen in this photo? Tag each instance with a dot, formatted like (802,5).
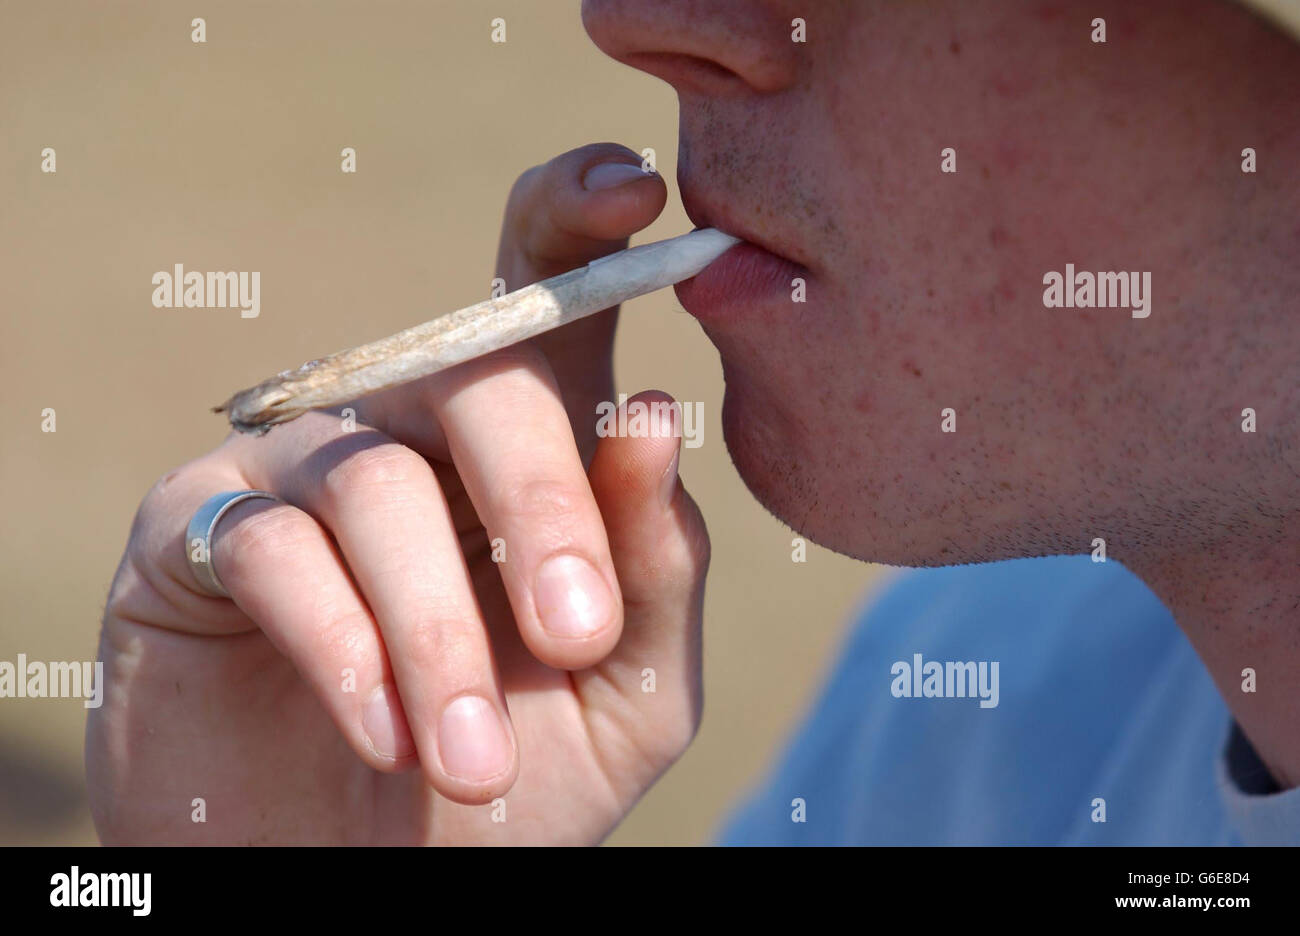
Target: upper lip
(705,212)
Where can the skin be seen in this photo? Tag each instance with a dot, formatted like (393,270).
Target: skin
(924,292)
(243,702)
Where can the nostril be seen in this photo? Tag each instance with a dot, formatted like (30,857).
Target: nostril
(708,46)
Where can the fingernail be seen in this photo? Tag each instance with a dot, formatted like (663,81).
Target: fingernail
(384,723)
(668,483)
(572,598)
(612,175)
(472,741)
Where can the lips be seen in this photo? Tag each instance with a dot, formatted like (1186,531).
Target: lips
(731,287)
(747,276)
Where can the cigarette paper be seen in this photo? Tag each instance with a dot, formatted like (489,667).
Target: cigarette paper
(473,331)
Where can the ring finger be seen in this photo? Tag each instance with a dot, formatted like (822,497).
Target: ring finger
(384,507)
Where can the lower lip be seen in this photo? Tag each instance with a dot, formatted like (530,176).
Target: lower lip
(730,287)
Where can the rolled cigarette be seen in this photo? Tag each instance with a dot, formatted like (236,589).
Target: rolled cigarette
(473,331)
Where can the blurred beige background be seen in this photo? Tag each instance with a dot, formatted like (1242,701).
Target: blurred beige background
(225,156)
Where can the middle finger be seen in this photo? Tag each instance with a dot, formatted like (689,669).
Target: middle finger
(500,419)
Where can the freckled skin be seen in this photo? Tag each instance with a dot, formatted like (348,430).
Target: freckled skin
(1063,156)
(925,290)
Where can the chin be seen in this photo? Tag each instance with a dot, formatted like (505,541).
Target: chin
(796,477)
(778,468)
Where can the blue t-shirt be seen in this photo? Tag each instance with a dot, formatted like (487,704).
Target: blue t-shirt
(1097,707)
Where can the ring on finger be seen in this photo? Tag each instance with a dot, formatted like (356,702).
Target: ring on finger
(198,537)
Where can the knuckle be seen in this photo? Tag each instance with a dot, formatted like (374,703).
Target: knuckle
(388,467)
(674,573)
(423,645)
(685,560)
(347,633)
(698,549)
(684,737)
(448,642)
(256,539)
(546,502)
(677,734)
(537,238)
(158,503)
(159,523)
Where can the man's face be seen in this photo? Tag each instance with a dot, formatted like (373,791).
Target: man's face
(924,288)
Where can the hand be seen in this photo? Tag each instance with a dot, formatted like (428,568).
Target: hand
(375,676)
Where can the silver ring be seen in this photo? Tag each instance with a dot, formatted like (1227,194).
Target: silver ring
(198,537)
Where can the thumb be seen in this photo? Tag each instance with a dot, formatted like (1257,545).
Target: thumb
(650,685)
(581,205)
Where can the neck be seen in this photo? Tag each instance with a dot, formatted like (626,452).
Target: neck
(1241,611)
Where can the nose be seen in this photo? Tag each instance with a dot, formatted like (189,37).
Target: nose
(700,46)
